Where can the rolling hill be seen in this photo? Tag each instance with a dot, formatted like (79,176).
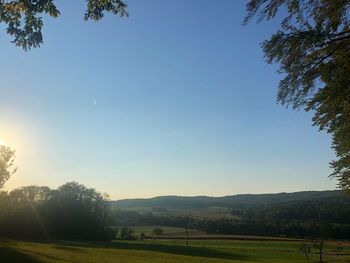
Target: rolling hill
(232,201)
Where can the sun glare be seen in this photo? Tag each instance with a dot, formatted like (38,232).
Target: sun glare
(2,142)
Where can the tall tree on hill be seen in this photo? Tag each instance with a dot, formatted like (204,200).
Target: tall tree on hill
(312,48)
(7,159)
(23,18)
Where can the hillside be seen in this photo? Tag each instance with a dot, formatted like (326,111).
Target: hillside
(299,214)
(233,201)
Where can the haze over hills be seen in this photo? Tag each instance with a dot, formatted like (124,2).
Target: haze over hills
(232,201)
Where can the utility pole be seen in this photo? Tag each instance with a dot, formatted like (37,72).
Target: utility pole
(187,235)
(187,232)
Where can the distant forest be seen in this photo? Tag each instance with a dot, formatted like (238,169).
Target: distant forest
(303,214)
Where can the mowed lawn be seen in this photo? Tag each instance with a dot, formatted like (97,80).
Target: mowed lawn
(172,251)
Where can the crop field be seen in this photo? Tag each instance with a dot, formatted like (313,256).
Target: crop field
(165,251)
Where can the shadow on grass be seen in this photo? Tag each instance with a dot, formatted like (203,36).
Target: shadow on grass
(164,248)
(67,248)
(11,255)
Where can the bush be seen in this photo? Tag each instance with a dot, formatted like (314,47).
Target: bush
(127,233)
(158,231)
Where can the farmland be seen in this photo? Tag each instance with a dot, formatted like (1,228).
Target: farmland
(171,251)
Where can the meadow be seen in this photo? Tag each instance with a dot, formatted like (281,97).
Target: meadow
(210,212)
(168,231)
(165,251)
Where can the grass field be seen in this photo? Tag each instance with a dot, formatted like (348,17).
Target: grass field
(167,251)
(180,233)
(168,231)
(211,212)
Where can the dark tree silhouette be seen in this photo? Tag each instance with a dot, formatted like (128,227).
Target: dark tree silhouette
(71,211)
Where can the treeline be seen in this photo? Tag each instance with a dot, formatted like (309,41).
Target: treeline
(71,211)
(326,218)
(229,226)
(133,218)
(331,210)
(288,228)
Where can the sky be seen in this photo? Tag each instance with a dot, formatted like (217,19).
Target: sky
(177,99)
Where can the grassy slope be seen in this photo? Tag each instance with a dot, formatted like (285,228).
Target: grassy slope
(159,251)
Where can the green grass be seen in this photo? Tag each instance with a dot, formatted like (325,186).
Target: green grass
(180,233)
(165,251)
(168,231)
(213,212)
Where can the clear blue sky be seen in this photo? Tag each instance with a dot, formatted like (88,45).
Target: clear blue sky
(176,99)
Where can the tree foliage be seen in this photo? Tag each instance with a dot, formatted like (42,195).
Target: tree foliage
(127,233)
(312,48)
(75,211)
(23,18)
(158,231)
(7,159)
(71,211)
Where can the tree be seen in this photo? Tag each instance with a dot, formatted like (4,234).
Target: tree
(31,194)
(142,236)
(75,211)
(24,22)
(313,51)
(7,159)
(158,231)
(127,233)
(24,217)
(71,211)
